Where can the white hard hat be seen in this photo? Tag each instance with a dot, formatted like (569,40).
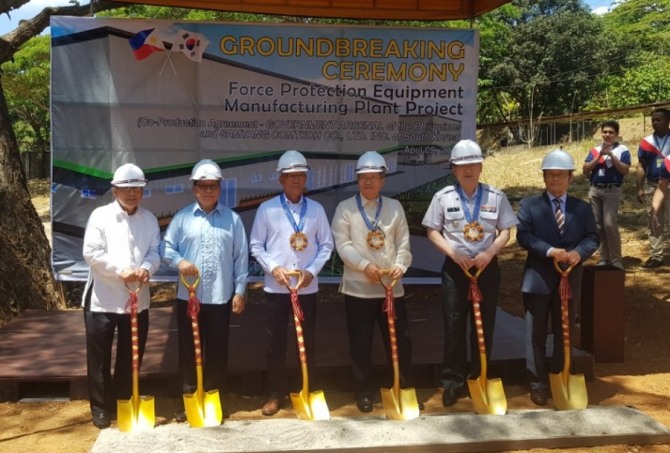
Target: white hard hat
(292,162)
(466,152)
(557,160)
(371,162)
(206,169)
(129,175)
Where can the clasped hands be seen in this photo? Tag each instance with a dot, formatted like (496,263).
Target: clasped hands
(374,273)
(571,258)
(139,275)
(280,274)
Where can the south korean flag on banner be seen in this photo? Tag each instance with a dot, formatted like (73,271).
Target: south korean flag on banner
(190,44)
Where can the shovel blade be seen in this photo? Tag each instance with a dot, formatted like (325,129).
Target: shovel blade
(488,396)
(203,412)
(310,407)
(140,418)
(400,406)
(568,393)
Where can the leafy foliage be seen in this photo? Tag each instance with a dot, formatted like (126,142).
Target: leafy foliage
(551,63)
(26,83)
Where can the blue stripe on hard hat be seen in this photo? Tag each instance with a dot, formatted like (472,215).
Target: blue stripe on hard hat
(295,168)
(143,182)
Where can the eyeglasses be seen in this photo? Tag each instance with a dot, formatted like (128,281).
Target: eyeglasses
(207,187)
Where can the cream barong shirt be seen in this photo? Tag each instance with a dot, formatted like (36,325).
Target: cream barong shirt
(351,241)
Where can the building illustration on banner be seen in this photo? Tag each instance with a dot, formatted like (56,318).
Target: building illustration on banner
(234,113)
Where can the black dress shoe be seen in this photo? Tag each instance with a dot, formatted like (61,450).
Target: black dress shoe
(101,420)
(451,396)
(539,396)
(652,263)
(364,403)
(272,406)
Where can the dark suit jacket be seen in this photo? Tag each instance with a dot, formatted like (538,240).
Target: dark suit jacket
(537,232)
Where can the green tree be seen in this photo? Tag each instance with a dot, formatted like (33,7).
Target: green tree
(550,63)
(26,82)
(646,81)
(644,23)
(26,278)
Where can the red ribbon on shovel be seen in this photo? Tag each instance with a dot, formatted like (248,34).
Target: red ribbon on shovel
(131,307)
(193,307)
(389,304)
(474,293)
(297,310)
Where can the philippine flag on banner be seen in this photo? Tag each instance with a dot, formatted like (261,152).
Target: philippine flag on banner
(145,43)
(190,44)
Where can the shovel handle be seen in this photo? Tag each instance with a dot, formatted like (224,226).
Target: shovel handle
(197,344)
(477,315)
(473,277)
(381,278)
(390,317)
(564,272)
(300,338)
(134,339)
(188,285)
(565,318)
(295,273)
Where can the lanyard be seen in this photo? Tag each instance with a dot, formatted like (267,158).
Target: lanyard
(662,146)
(475,215)
(371,226)
(296,227)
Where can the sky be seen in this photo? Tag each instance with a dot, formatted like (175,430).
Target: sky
(31,8)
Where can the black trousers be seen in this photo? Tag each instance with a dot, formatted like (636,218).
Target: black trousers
(213,323)
(456,309)
(362,314)
(103,390)
(539,308)
(278,311)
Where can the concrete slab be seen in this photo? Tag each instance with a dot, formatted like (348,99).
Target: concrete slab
(455,432)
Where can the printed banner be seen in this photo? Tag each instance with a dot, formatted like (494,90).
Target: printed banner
(165,94)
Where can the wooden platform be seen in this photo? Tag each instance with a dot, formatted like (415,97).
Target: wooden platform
(47,349)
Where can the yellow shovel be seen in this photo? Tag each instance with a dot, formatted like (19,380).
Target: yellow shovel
(488,395)
(138,413)
(567,390)
(202,408)
(399,404)
(307,406)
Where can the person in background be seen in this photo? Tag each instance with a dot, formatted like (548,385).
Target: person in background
(651,152)
(469,223)
(207,240)
(371,235)
(605,166)
(553,226)
(121,243)
(290,232)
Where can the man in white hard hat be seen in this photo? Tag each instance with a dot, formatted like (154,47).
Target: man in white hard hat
(290,232)
(469,223)
(121,247)
(553,226)
(207,240)
(371,235)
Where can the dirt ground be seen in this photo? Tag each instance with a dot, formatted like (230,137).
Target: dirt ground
(641,381)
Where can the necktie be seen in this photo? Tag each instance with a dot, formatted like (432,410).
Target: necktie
(560,218)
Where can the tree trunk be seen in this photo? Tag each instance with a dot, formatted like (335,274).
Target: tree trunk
(26,278)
